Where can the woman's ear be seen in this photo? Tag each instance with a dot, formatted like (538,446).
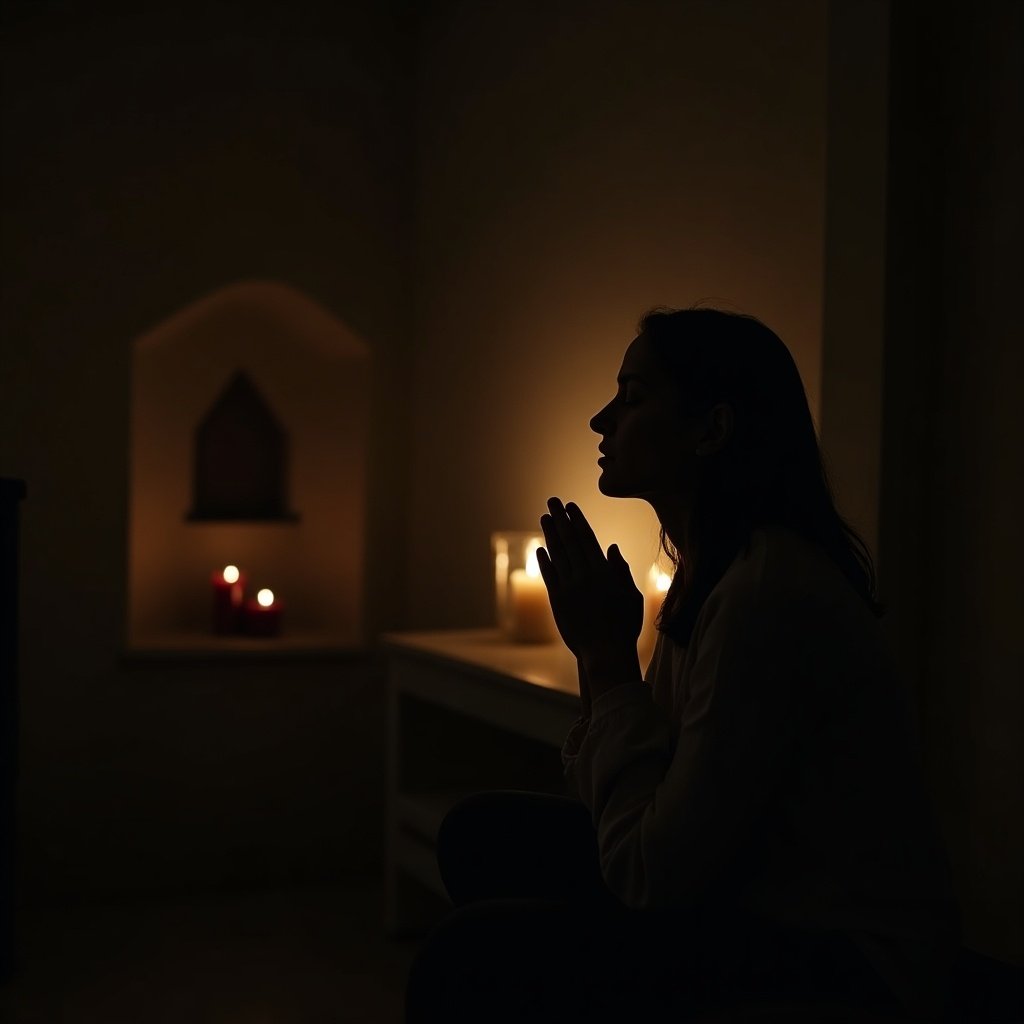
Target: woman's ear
(718,428)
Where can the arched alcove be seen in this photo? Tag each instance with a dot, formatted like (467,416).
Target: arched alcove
(249,424)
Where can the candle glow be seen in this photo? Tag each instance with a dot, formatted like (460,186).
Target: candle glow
(658,583)
(532,565)
(265,598)
(530,611)
(228,595)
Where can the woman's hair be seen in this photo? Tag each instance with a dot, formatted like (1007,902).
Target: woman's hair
(769,472)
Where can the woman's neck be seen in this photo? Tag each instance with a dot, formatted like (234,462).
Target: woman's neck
(674,512)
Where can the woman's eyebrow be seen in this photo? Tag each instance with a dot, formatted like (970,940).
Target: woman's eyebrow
(625,378)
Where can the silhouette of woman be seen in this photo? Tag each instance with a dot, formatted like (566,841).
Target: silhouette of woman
(751,819)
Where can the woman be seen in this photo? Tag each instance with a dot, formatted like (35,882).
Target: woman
(752,821)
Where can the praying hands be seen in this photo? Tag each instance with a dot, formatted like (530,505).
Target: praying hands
(596,605)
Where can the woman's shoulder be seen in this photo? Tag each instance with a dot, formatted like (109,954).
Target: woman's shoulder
(786,590)
(777,579)
(781,554)
(778,566)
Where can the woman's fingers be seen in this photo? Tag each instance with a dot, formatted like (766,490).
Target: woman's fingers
(620,564)
(571,541)
(553,554)
(547,570)
(589,547)
(559,562)
(592,597)
(573,562)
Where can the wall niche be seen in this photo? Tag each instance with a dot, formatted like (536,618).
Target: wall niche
(240,466)
(249,431)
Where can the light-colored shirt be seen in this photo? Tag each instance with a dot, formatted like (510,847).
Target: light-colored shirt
(776,755)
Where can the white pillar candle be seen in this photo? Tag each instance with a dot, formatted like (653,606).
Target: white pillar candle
(529,610)
(656,587)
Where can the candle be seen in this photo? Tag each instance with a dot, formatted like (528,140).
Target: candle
(228,590)
(657,586)
(529,610)
(263,615)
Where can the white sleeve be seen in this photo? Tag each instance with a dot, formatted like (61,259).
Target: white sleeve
(571,746)
(666,821)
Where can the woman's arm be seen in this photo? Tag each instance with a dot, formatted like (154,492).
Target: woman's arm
(578,732)
(667,822)
(585,701)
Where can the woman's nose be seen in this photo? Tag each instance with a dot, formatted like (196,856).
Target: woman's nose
(599,421)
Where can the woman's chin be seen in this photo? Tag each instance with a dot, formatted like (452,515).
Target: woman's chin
(608,487)
(611,487)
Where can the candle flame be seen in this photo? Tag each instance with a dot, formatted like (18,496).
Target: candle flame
(265,598)
(532,565)
(231,573)
(661,581)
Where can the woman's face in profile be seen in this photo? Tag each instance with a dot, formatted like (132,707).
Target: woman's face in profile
(645,446)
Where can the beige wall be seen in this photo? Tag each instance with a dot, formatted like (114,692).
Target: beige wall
(150,158)
(579,163)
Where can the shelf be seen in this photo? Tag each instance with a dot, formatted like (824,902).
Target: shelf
(467,712)
(550,667)
(183,647)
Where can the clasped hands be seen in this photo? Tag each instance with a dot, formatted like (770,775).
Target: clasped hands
(596,605)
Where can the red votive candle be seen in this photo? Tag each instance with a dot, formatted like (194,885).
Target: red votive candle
(228,592)
(263,614)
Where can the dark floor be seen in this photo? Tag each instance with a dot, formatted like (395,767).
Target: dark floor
(308,956)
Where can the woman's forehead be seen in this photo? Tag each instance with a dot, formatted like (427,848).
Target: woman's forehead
(640,360)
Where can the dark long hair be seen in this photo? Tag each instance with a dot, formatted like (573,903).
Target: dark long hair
(771,470)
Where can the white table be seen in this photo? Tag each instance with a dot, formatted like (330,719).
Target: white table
(467,711)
